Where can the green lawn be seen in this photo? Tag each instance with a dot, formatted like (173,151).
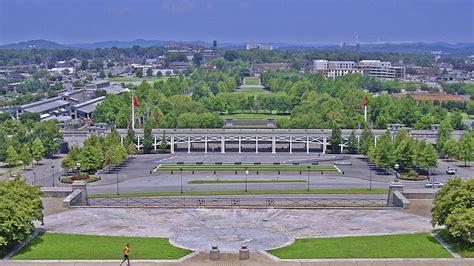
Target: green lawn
(243,167)
(251,91)
(250,192)
(242,181)
(251,81)
(419,245)
(133,79)
(256,115)
(85,247)
(462,249)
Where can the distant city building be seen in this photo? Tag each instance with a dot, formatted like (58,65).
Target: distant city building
(178,66)
(374,68)
(431,97)
(251,46)
(270,67)
(332,69)
(380,69)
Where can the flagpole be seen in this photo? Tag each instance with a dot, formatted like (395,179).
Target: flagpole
(133,113)
(365,113)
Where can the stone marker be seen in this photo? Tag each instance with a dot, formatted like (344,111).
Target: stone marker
(244,253)
(215,253)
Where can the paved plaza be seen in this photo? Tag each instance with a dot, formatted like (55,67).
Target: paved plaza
(198,229)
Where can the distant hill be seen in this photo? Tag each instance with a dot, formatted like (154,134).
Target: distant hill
(33,44)
(462,49)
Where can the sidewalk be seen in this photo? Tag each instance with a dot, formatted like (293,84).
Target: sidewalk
(257,260)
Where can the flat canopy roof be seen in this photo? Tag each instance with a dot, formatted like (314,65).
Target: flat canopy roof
(46,106)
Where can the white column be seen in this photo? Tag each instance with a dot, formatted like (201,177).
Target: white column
(205,144)
(172,144)
(291,144)
(273,144)
(325,144)
(375,141)
(342,147)
(121,140)
(189,144)
(154,144)
(307,145)
(240,144)
(222,144)
(138,142)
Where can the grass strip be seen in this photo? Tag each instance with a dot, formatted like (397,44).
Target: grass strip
(250,192)
(418,245)
(51,246)
(242,181)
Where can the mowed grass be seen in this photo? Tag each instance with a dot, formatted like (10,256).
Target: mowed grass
(134,79)
(251,81)
(256,115)
(224,181)
(250,91)
(50,246)
(250,192)
(243,167)
(419,245)
(464,250)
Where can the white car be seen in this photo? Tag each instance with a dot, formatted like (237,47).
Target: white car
(450,171)
(435,184)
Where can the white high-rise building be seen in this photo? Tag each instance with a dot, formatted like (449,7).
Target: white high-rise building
(251,46)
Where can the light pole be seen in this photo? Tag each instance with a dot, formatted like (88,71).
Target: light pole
(396,166)
(52,172)
(34,178)
(78,168)
(181,170)
(116,176)
(370,178)
(308,179)
(246,177)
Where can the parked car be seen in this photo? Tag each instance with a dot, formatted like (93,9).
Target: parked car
(450,171)
(435,184)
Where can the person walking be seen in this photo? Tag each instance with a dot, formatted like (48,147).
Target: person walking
(126,249)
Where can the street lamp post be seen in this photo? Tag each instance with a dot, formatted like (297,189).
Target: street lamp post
(246,177)
(308,179)
(370,178)
(78,168)
(52,172)
(181,170)
(116,173)
(34,178)
(396,166)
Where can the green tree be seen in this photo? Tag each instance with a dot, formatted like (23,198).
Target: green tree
(91,158)
(366,140)
(384,152)
(450,148)
(12,157)
(336,138)
(20,206)
(37,150)
(353,144)
(163,143)
(101,74)
(452,203)
(139,73)
(197,58)
(444,133)
(428,157)
(50,136)
(466,148)
(149,72)
(68,163)
(147,139)
(25,155)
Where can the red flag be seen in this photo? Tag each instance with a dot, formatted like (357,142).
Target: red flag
(135,102)
(366,101)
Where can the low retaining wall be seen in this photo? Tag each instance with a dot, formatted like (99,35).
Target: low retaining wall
(400,201)
(420,193)
(56,192)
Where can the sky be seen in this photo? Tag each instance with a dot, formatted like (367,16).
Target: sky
(278,21)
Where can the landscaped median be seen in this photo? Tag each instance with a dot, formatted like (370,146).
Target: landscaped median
(418,245)
(238,181)
(249,192)
(244,167)
(51,246)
